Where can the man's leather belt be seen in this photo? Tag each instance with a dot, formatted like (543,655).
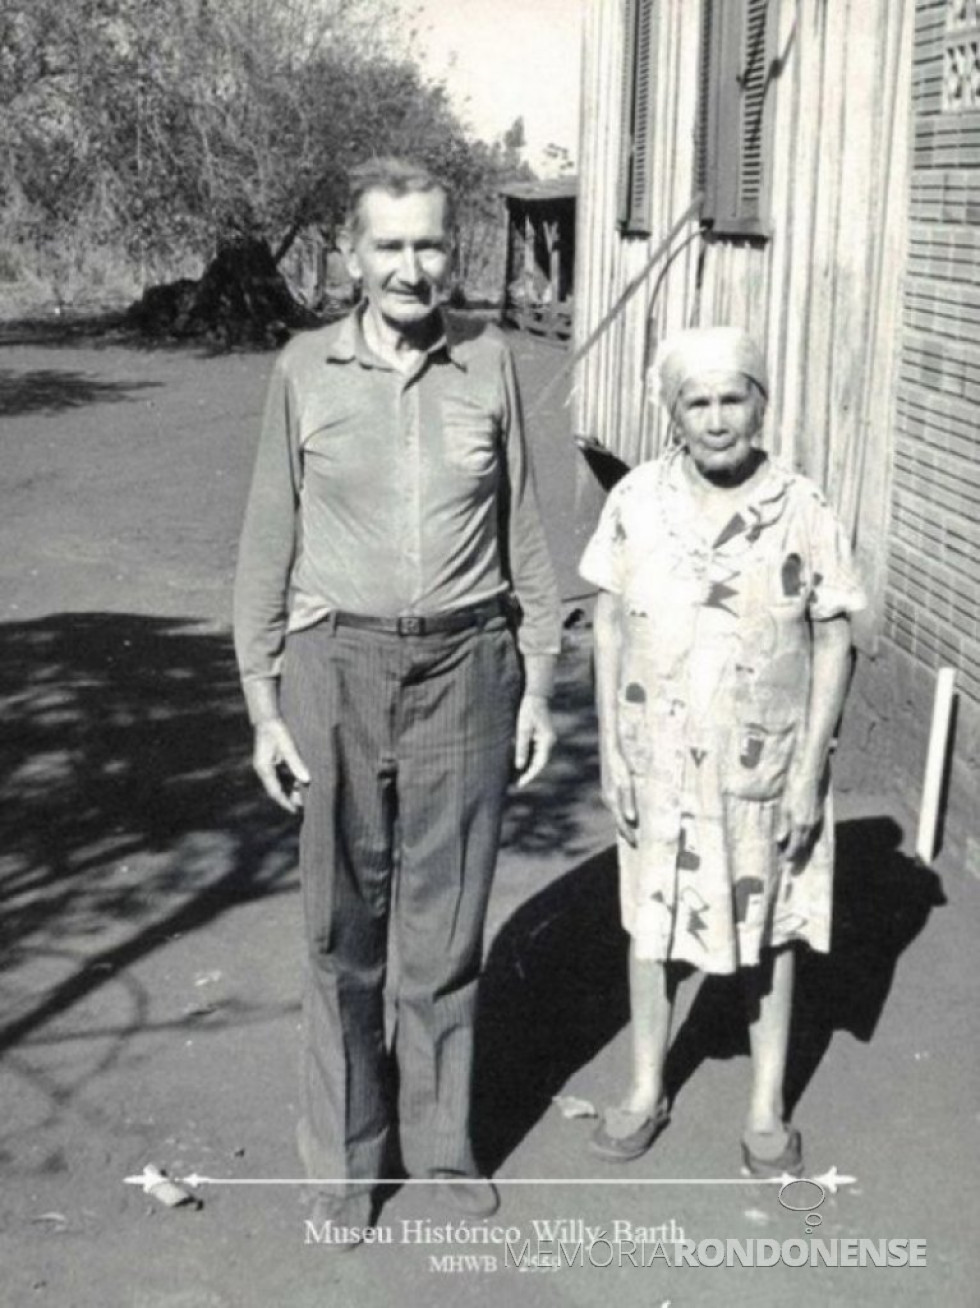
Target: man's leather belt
(426,624)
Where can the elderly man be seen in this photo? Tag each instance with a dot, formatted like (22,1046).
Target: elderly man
(396,625)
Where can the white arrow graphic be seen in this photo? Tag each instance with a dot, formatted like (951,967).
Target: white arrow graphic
(831,1181)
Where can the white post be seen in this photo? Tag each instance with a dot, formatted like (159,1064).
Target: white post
(932,785)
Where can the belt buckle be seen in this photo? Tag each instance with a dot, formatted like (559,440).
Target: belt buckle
(411,626)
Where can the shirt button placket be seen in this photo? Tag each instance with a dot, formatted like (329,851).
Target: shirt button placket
(412,489)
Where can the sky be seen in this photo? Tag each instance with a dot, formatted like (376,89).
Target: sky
(503,59)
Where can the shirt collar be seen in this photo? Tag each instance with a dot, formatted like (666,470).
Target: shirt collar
(451,342)
(349,344)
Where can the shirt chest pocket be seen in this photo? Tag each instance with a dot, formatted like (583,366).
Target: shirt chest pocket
(470,433)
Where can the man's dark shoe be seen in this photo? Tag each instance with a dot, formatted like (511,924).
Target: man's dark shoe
(340,1219)
(473,1196)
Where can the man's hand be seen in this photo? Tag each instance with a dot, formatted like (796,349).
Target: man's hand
(800,817)
(274,751)
(535,738)
(619,794)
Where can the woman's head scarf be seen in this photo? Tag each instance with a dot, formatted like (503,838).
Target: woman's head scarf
(699,350)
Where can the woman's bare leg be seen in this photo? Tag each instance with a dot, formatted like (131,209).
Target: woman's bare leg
(769,996)
(652,991)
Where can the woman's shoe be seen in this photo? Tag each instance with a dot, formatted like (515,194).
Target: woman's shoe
(771,1153)
(623,1135)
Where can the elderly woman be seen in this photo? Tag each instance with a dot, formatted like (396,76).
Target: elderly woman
(722,658)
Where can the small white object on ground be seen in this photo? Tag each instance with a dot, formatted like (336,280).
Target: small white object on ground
(160,1187)
(570,1106)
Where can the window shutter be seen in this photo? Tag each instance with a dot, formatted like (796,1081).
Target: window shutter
(638,92)
(639,215)
(626,112)
(705,118)
(753,87)
(732,147)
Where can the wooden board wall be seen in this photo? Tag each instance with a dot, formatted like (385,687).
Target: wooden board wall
(824,292)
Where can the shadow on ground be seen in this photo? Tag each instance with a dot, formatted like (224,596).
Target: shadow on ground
(883,900)
(554,991)
(50,390)
(128,812)
(555,988)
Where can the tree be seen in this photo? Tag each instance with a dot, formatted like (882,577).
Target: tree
(187,126)
(515,138)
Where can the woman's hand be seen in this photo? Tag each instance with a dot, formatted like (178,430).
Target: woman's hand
(801,815)
(618,792)
(804,795)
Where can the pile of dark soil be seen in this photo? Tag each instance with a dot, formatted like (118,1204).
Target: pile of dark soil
(242,298)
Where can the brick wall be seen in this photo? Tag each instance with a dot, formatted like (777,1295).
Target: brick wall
(932,615)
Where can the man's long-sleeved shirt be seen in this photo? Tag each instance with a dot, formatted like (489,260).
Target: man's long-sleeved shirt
(387,493)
